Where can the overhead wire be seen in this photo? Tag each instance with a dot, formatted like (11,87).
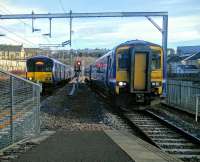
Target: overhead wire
(8,11)
(17,35)
(12,39)
(61,5)
(8,36)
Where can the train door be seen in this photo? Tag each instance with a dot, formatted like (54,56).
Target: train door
(90,73)
(140,72)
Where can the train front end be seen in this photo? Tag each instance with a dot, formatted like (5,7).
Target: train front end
(157,71)
(39,69)
(133,75)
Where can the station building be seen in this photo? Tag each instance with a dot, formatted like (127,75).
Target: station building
(186,60)
(13,58)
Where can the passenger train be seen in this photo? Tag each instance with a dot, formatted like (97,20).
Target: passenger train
(47,71)
(130,73)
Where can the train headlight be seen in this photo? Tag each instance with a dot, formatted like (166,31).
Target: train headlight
(156,84)
(122,84)
(48,78)
(30,78)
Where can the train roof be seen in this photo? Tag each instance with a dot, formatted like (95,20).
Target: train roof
(105,55)
(138,42)
(130,42)
(46,57)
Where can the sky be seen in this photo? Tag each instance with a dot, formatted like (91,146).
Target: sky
(184,22)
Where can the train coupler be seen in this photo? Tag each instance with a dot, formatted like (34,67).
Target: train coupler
(140,98)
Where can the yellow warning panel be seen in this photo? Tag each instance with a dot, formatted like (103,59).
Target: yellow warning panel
(40,76)
(140,71)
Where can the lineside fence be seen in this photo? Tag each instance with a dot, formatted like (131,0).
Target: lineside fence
(19,109)
(184,95)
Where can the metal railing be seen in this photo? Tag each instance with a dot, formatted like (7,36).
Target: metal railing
(19,108)
(184,95)
(185,77)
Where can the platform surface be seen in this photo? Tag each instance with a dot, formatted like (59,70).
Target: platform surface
(86,146)
(138,149)
(94,146)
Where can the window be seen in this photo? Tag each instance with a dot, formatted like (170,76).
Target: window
(100,67)
(156,60)
(34,66)
(123,59)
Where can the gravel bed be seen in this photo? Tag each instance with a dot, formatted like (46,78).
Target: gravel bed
(78,112)
(82,111)
(179,119)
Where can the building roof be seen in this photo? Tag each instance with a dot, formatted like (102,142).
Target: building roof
(195,56)
(16,48)
(188,50)
(32,49)
(187,66)
(176,58)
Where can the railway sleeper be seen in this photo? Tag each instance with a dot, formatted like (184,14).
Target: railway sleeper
(183,151)
(163,129)
(159,132)
(176,144)
(181,156)
(170,139)
(175,136)
(148,123)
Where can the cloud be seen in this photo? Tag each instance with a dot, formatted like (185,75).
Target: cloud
(172,2)
(103,32)
(183,29)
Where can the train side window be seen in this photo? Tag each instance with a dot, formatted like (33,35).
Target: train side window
(109,62)
(48,67)
(123,59)
(156,60)
(30,66)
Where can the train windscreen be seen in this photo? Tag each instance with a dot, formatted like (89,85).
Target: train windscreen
(39,66)
(123,59)
(156,60)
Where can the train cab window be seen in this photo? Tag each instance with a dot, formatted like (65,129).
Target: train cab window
(39,66)
(123,59)
(156,60)
(45,67)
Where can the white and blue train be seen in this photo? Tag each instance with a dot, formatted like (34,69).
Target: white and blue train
(125,72)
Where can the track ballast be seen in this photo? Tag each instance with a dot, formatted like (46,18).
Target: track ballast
(165,136)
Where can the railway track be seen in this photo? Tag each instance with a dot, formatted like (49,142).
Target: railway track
(165,136)
(159,132)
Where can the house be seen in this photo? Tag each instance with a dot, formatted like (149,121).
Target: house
(187,50)
(30,52)
(184,64)
(172,63)
(12,59)
(192,60)
(170,52)
(187,69)
(12,52)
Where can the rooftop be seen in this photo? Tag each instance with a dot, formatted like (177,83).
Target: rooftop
(17,48)
(188,50)
(195,56)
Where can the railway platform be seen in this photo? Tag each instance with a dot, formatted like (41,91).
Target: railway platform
(94,146)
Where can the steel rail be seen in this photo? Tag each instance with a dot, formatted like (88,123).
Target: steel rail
(164,134)
(178,129)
